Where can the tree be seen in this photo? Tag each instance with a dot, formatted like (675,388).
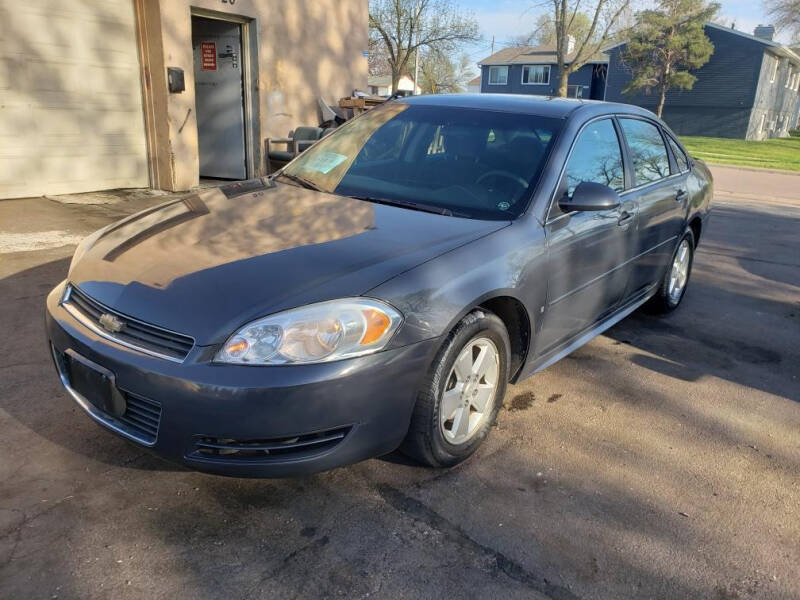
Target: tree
(603,17)
(666,42)
(545,30)
(440,75)
(785,15)
(403,27)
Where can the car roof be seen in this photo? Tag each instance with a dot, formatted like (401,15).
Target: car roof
(543,106)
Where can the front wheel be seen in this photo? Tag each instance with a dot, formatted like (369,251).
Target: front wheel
(462,394)
(673,285)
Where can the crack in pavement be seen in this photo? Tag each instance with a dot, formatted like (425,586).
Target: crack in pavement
(420,512)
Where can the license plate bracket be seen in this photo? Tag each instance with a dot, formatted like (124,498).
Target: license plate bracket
(95,383)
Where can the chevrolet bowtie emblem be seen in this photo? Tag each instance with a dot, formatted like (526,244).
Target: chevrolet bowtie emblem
(111,323)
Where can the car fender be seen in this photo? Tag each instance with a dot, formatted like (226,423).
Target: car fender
(435,296)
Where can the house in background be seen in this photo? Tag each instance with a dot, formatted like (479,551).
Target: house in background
(748,89)
(381,85)
(534,70)
(474,85)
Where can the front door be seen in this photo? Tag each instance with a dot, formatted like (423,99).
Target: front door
(588,251)
(219,97)
(660,195)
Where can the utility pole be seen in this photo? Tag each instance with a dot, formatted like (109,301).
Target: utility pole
(416,67)
(416,55)
(492,44)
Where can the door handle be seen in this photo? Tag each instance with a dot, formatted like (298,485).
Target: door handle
(681,195)
(624,218)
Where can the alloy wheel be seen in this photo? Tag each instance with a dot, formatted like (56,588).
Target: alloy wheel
(679,273)
(470,391)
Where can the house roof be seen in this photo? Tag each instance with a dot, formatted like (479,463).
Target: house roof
(384,80)
(379,80)
(776,47)
(475,81)
(527,55)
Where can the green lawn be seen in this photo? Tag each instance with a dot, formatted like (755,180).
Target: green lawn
(782,153)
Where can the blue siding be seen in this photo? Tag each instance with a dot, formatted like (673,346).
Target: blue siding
(722,98)
(582,76)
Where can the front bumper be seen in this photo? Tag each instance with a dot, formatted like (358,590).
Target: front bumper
(312,417)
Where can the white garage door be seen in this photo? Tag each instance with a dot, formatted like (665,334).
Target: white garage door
(70,98)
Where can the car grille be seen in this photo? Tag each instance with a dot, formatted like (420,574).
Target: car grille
(134,333)
(142,416)
(266,450)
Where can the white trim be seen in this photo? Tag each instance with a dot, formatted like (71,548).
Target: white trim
(522,75)
(489,78)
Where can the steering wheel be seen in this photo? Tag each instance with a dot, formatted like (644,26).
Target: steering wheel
(505,174)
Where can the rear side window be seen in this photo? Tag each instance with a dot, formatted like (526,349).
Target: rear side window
(680,156)
(648,153)
(596,156)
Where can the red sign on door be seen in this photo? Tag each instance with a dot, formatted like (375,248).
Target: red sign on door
(208,56)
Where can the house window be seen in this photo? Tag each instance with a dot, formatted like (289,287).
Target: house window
(536,74)
(498,75)
(761,124)
(775,66)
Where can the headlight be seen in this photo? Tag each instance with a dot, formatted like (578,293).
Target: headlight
(315,333)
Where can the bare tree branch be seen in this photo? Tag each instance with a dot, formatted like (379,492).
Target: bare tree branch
(406,27)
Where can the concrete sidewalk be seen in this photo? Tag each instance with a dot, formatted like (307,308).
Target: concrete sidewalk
(49,222)
(756,184)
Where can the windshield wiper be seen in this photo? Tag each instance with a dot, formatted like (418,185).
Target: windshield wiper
(436,210)
(301,181)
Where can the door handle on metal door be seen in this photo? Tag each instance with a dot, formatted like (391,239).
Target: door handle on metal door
(624,218)
(681,195)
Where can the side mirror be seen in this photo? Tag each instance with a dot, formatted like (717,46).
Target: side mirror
(590,196)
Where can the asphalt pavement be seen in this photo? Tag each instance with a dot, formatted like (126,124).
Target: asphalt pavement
(661,460)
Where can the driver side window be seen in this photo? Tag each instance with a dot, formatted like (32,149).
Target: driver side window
(596,156)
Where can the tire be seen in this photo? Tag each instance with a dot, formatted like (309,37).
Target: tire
(664,300)
(436,443)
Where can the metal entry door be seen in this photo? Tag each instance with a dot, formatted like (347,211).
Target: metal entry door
(219,97)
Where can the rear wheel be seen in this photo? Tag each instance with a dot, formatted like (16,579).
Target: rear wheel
(673,286)
(463,393)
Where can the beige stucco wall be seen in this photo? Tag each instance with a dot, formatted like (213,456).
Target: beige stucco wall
(306,48)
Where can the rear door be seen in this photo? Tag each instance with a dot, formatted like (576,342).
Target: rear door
(659,191)
(588,251)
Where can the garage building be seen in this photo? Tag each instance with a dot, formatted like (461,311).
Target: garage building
(138,93)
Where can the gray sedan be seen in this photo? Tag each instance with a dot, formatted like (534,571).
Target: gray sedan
(383,288)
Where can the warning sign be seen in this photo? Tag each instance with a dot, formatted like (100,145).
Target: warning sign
(208,56)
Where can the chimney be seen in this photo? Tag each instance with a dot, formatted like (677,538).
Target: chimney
(570,44)
(765,32)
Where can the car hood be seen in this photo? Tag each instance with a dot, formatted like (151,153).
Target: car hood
(209,263)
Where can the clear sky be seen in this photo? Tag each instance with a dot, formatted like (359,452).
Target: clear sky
(507,18)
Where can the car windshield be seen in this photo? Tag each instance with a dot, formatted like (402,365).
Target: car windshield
(466,162)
